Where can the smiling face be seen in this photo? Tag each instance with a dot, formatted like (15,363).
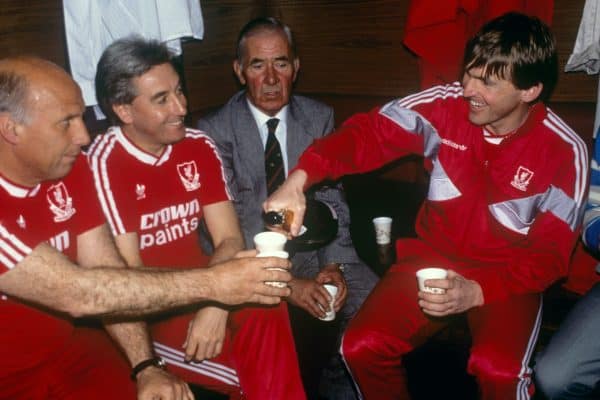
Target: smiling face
(268,70)
(50,138)
(155,118)
(496,103)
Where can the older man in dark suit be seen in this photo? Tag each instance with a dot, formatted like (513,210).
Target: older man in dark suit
(243,130)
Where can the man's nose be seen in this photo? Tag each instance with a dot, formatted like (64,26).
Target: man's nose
(469,87)
(180,105)
(80,134)
(271,77)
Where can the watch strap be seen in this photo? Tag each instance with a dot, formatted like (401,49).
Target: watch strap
(151,362)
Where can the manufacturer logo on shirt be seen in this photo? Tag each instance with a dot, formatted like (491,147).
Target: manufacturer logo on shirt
(454,145)
(21,222)
(60,202)
(188,173)
(522,178)
(140,191)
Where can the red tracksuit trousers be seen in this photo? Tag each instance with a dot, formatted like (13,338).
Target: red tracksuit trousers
(391,324)
(89,367)
(258,359)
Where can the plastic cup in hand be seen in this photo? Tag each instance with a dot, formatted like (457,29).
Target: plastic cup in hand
(269,241)
(431,273)
(275,253)
(330,314)
(383,229)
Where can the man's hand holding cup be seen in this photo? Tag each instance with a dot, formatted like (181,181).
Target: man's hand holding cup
(445,292)
(271,244)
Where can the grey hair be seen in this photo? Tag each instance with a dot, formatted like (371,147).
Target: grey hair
(262,24)
(122,61)
(14,89)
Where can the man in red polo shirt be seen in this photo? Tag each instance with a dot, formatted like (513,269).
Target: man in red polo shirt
(173,179)
(58,260)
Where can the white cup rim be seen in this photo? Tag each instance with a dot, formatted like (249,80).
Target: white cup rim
(271,236)
(273,253)
(382,220)
(269,241)
(432,273)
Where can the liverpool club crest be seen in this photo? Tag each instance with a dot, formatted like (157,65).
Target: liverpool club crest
(188,173)
(60,202)
(522,178)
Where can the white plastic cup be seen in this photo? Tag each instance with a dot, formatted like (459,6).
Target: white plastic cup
(275,253)
(431,273)
(332,290)
(383,229)
(269,241)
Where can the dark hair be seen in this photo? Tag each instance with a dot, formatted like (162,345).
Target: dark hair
(262,24)
(13,95)
(515,47)
(122,61)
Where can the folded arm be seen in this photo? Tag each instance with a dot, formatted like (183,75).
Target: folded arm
(363,143)
(96,247)
(206,332)
(109,291)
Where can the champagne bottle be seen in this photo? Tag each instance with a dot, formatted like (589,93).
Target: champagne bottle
(319,226)
(279,219)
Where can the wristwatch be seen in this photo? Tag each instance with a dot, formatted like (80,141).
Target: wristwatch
(151,362)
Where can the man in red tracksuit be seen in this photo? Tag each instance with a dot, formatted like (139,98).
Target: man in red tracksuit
(506,194)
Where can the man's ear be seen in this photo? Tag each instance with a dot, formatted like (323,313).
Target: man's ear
(237,68)
(123,111)
(8,128)
(296,64)
(531,94)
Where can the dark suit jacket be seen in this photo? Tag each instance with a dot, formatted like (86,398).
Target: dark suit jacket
(235,131)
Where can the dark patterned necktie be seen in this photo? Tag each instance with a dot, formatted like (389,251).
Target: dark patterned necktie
(273,159)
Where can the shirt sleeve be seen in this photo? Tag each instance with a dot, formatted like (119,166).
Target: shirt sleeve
(88,211)
(363,143)
(214,182)
(14,248)
(370,140)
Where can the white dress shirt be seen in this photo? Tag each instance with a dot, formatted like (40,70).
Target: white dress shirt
(280,132)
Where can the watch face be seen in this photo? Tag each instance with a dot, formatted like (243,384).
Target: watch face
(151,362)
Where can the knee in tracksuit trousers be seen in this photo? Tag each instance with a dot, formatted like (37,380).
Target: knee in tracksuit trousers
(391,324)
(258,359)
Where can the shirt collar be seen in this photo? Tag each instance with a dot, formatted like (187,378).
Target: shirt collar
(137,152)
(16,190)
(261,118)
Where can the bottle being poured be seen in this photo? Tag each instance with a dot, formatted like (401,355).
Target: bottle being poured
(281,219)
(319,226)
